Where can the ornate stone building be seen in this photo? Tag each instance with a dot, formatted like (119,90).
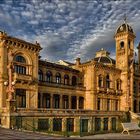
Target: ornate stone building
(81,98)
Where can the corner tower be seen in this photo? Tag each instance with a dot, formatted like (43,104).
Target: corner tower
(124,61)
(124,46)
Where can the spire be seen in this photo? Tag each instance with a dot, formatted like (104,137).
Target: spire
(125,18)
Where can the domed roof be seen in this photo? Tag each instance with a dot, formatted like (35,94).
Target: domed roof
(105,60)
(124,28)
(102,56)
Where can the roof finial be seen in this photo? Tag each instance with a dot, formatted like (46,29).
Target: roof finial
(125,18)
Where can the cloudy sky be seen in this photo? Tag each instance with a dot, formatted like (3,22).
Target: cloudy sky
(67,29)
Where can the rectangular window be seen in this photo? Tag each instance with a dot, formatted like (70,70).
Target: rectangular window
(43,124)
(105,124)
(74,102)
(65,102)
(113,120)
(108,104)
(98,104)
(48,101)
(57,124)
(56,101)
(21,98)
(70,124)
(84,125)
(116,105)
(97,124)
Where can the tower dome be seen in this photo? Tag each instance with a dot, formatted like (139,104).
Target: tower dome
(124,28)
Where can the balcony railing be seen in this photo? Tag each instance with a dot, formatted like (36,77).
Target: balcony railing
(110,91)
(48,112)
(119,92)
(22,77)
(101,89)
(60,85)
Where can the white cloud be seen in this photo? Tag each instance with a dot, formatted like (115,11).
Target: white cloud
(67,29)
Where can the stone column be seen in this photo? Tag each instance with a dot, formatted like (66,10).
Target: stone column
(111,105)
(51,124)
(64,125)
(117,123)
(102,106)
(69,100)
(51,101)
(61,101)
(41,100)
(93,124)
(77,102)
(109,124)
(90,125)
(102,124)
(77,124)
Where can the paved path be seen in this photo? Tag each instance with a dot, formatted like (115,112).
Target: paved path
(15,134)
(118,136)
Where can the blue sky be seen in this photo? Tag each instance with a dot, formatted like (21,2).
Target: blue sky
(67,29)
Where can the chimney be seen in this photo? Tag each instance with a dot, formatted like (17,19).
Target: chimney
(78,61)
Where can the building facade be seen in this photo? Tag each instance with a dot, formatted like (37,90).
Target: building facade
(75,98)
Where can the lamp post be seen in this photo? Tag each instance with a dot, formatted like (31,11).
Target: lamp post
(10,84)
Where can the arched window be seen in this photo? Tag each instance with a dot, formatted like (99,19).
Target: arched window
(40,75)
(49,76)
(100,81)
(74,81)
(66,80)
(58,78)
(20,65)
(107,82)
(122,44)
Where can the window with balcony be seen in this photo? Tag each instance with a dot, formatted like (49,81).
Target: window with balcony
(21,98)
(81,102)
(65,102)
(58,78)
(107,81)
(100,81)
(20,65)
(49,76)
(40,75)
(56,101)
(66,80)
(46,100)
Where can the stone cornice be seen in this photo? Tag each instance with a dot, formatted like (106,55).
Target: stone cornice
(98,65)
(18,43)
